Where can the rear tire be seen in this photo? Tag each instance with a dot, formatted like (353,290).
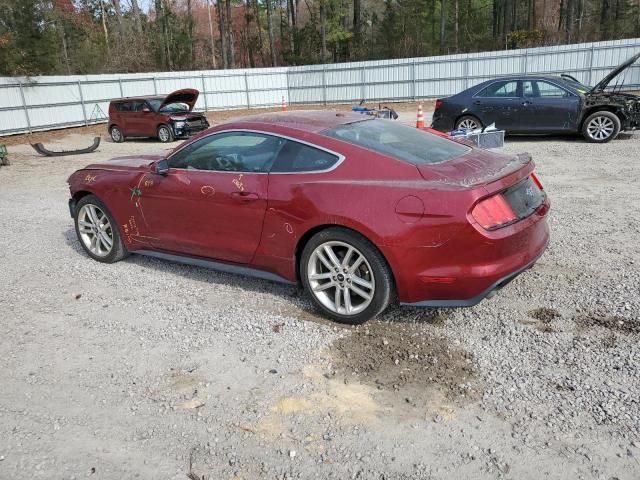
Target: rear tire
(97,231)
(346,277)
(468,122)
(165,134)
(601,127)
(116,134)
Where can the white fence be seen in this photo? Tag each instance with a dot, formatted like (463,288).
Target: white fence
(41,103)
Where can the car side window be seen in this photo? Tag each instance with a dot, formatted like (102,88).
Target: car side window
(298,157)
(548,90)
(505,89)
(124,106)
(229,152)
(137,106)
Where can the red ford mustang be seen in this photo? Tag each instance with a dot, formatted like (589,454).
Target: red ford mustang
(361,211)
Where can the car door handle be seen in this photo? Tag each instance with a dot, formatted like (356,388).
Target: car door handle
(245,196)
(527,103)
(477,102)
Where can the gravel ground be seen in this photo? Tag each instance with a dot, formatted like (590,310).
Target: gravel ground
(148,369)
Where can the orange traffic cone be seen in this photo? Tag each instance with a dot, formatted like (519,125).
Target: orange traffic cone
(284,104)
(420,121)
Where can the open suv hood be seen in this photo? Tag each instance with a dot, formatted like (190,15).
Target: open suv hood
(186,95)
(602,84)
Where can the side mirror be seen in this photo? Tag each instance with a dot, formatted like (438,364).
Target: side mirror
(161,167)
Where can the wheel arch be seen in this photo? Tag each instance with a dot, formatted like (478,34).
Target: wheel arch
(304,239)
(602,108)
(76,197)
(466,114)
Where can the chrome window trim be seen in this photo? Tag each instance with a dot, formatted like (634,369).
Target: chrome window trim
(340,157)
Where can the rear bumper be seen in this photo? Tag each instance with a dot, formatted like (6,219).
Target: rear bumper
(471,265)
(470,302)
(442,123)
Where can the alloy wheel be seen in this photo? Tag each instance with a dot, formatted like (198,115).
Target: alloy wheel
(468,124)
(600,128)
(341,278)
(116,134)
(95,230)
(164,134)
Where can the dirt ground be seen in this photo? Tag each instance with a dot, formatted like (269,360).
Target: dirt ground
(149,369)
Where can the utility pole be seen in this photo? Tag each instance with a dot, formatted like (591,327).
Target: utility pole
(213,48)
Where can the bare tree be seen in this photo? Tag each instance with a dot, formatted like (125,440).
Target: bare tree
(323,32)
(270,29)
(118,9)
(443,18)
(223,36)
(357,24)
(190,25)
(456,42)
(135,8)
(213,42)
(256,10)
(104,25)
(231,54)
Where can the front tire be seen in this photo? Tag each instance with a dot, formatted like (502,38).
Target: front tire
(346,276)
(601,127)
(97,230)
(468,122)
(165,134)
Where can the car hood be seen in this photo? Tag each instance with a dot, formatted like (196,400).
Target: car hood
(478,167)
(186,95)
(602,84)
(137,162)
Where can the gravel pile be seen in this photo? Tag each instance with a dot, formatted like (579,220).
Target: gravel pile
(155,370)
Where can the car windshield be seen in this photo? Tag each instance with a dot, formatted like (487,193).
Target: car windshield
(170,107)
(400,141)
(572,82)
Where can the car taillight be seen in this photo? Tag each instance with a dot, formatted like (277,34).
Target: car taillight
(438,104)
(493,212)
(536,180)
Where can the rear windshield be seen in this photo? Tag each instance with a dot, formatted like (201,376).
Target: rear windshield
(400,141)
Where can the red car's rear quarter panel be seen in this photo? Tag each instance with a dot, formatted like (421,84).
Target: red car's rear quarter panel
(470,262)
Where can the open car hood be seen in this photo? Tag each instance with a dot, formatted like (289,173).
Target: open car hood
(602,84)
(186,95)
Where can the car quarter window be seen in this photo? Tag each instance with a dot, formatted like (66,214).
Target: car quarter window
(229,152)
(548,90)
(504,89)
(298,157)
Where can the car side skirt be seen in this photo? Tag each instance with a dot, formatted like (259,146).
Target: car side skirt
(219,266)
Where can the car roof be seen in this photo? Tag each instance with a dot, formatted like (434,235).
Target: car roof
(313,121)
(128,99)
(554,78)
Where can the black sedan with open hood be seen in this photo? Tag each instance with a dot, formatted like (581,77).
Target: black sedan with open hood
(532,104)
